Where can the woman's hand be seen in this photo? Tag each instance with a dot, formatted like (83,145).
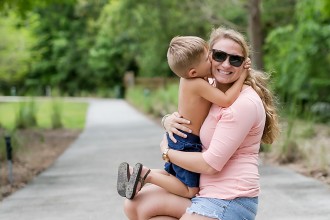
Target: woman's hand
(184,159)
(173,123)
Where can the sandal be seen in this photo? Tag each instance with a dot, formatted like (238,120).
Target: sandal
(134,180)
(123,178)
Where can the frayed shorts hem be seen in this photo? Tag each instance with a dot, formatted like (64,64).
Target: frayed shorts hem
(243,208)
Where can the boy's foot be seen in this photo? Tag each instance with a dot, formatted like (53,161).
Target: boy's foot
(123,178)
(136,180)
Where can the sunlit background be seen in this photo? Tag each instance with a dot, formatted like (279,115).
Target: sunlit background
(117,49)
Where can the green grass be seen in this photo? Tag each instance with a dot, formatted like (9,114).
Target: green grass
(8,114)
(157,102)
(73,114)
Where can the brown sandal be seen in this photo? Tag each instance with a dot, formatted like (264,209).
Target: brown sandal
(134,180)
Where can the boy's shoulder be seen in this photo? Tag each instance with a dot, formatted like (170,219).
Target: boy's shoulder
(195,85)
(196,80)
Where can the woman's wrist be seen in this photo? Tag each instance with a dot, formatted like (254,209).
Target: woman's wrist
(165,155)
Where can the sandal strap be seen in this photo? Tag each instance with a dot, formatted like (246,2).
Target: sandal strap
(142,179)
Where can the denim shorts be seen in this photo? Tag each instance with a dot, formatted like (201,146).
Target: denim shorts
(243,208)
(190,144)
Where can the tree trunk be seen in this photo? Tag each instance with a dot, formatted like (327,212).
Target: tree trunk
(255,34)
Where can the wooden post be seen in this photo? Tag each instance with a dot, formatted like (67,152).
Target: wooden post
(9,150)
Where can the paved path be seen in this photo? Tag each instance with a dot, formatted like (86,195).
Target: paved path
(82,182)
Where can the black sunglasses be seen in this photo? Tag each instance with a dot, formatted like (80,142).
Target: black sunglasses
(221,56)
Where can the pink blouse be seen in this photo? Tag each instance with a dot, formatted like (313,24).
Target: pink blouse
(231,140)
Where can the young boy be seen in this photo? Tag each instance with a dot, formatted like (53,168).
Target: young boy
(188,58)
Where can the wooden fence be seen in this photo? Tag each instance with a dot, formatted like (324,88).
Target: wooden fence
(147,82)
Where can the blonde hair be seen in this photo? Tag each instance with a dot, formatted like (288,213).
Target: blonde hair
(257,80)
(184,52)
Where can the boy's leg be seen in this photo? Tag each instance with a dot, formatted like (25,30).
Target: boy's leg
(164,180)
(171,184)
(137,180)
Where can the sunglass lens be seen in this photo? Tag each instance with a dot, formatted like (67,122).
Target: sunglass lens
(236,60)
(219,56)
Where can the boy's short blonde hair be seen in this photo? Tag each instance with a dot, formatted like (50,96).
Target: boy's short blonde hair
(184,53)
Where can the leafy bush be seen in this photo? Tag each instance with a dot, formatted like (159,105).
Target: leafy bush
(155,102)
(26,116)
(56,114)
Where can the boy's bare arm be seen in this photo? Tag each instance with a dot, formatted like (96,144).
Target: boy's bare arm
(218,97)
(233,92)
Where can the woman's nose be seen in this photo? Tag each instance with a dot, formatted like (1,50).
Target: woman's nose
(226,63)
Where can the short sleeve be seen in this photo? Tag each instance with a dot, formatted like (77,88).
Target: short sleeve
(230,132)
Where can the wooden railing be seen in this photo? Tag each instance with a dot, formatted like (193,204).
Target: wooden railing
(147,82)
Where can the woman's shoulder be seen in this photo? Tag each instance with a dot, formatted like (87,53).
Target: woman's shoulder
(249,102)
(249,93)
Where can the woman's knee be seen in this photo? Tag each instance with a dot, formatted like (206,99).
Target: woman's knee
(130,209)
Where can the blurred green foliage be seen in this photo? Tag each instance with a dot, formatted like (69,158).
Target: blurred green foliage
(15,51)
(56,115)
(51,113)
(156,102)
(26,115)
(82,48)
(299,55)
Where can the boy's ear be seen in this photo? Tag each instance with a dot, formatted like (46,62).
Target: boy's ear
(192,73)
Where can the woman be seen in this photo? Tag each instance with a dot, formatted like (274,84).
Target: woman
(231,138)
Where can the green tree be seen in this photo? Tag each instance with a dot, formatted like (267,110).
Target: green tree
(135,34)
(22,7)
(299,52)
(65,35)
(79,49)
(16,41)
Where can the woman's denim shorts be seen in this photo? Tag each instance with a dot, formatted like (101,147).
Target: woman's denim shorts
(243,208)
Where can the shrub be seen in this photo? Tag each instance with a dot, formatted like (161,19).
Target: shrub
(26,116)
(56,114)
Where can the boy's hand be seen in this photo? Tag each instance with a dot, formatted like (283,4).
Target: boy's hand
(246,68)
(247,64)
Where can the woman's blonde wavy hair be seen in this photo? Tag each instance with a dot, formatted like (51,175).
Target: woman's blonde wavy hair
(258,80)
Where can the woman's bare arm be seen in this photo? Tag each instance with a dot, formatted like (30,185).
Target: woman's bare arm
(184,159)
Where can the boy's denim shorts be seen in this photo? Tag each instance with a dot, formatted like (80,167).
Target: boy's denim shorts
(190,144)
(243,208)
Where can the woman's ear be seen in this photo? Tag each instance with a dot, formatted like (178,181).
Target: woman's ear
(192,73)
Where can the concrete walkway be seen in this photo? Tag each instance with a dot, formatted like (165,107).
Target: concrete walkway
(82,182)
